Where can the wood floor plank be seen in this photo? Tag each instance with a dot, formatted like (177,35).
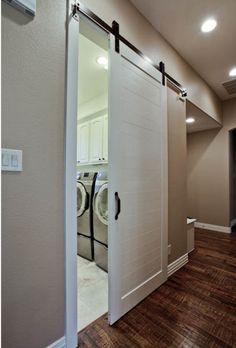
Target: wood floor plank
(196,307)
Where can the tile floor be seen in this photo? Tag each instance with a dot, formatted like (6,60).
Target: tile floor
(92,292)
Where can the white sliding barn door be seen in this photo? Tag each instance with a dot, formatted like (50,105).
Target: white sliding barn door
(138,174)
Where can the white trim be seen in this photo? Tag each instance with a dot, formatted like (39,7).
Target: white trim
(190,221)
(61,343)
(177,264)
(210,227)
(70,180)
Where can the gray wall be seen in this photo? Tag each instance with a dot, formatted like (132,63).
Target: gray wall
(177,189)
(209,171)
(33,65)
(33,82)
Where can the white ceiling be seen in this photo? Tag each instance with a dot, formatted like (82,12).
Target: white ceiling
(179,21)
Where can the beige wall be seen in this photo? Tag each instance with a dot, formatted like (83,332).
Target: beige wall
(208,171)
(33,81)
(33,65)
(141,33)
(177,157)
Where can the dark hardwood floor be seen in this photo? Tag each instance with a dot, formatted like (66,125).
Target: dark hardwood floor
(196,307)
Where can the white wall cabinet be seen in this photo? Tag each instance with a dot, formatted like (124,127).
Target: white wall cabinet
(92,142)
(96,140)
(105,139)
(83,143)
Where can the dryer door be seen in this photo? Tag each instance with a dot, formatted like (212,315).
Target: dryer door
(101,204)
(82,199)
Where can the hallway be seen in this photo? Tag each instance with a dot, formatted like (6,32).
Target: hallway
(196,307)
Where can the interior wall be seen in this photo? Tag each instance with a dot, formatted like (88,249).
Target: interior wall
(208,179)
(135,28)
(177,186)
(33,83)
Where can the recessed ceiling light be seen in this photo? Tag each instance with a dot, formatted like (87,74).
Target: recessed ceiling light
(190,120)
(102,60)
(208,25)
(232,72)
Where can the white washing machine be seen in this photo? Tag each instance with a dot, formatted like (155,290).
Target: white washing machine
(100,220)
(85,190)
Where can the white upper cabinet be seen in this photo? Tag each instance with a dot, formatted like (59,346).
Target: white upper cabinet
(96,130)
(92,144)
(83,143)
(105,139)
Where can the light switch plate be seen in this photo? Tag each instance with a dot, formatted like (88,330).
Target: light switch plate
(11,160)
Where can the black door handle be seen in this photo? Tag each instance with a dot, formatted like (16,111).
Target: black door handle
(118,202)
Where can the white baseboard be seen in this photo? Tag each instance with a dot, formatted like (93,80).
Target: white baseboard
(210,227)
(177,264)
(61,343)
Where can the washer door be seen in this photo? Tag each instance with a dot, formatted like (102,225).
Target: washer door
(82,199)
(101,204)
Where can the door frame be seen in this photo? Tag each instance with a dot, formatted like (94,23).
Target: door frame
(70,148)
(70,201)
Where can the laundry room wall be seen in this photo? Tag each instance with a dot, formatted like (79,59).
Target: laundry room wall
(208,178)
(33,87)
(93,106)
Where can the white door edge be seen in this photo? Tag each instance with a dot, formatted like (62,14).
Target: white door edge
(70,180)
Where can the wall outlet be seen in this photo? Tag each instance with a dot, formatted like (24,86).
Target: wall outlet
(169,249)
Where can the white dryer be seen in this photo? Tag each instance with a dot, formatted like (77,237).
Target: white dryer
(100,220)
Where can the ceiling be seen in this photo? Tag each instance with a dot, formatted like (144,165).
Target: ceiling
(93,78)
(202,120)
(213,54)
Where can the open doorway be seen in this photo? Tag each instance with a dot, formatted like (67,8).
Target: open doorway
(92,175)
(232,156)
(132,193)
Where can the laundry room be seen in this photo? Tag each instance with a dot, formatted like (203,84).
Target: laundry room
(92,175)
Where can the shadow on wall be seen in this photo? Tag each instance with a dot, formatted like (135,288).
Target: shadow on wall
(209,136)
(15,15)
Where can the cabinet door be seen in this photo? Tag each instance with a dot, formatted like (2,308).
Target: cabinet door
(96,130)
(105,139)
(83,143)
